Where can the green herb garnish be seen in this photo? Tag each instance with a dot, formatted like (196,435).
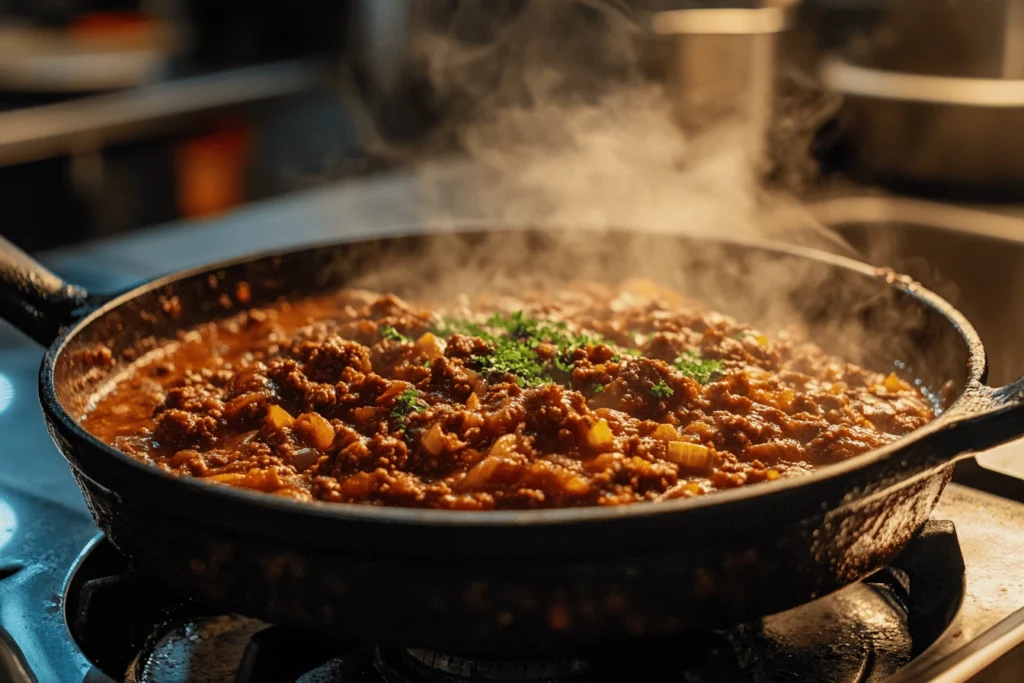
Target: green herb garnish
(407,402)
(703,371)
(516,358)
(389,332)
(598,388)
(446,327)
(514,339)
(662,390)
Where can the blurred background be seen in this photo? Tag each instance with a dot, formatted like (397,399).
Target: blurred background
(117,114)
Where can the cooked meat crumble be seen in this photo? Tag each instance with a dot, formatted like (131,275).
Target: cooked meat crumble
(592,396)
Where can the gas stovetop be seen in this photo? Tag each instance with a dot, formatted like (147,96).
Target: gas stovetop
(950,607)
(72,609)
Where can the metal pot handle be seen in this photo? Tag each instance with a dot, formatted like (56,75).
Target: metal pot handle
(33,299)
(989,417)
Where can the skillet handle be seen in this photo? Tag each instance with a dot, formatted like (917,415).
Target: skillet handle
(33,299)
(990,418)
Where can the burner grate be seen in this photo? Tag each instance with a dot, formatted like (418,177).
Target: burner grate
(136,631)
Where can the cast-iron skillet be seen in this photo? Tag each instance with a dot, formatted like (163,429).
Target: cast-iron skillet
(512,582)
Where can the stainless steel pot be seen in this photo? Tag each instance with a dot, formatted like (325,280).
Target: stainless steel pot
(947,133)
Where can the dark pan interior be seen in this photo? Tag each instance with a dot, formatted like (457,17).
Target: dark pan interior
(851,313)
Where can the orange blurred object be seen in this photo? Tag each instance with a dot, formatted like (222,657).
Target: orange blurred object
(211,171)
(115,28)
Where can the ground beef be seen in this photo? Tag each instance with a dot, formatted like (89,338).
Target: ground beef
(363,398)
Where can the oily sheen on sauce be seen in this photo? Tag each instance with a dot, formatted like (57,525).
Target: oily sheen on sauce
(588,396)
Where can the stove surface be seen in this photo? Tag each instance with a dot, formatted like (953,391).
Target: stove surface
(71,609)
(135,630)
(64,594)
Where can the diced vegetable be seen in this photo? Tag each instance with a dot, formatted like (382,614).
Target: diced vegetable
(364,413)
(280,417)
(599,436)
(786,398)
(772,475)
(504,445)
(433,439)
(480,473)
(431,345)
(666,432)
(316,429)
(576,486)
(893,383)
(602,462)
(473,402)
(689,454)
(228,477)
(396,389)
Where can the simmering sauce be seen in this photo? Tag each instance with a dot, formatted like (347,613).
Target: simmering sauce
(590,396)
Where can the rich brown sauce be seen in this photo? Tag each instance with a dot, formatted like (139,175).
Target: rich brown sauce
(363,398)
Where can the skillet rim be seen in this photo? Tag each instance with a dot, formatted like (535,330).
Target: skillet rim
(357,512)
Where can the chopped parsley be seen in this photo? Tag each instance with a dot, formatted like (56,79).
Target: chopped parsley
(514,339)
(389,332)
(598,388)
(662,390)
(513,357)
(407,402)
(693,366)
(446,327)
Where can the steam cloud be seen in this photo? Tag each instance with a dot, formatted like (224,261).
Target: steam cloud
(560,126)
(560,129)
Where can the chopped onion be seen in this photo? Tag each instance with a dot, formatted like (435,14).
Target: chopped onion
(666,432)
(786,398)
(893,383)
(480,473)
(364,413)
(316,429)
(397,388)
(279,417)
(433,440)
(688,454)
(431,345)
(505,445)
(575,486)
(473,402)
(600,436)
(602,462)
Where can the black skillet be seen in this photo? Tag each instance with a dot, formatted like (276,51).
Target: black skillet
(523,582)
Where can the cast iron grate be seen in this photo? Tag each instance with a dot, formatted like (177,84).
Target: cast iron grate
(134,630)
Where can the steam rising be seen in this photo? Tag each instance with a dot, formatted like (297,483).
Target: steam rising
(562,131)
(560,126)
